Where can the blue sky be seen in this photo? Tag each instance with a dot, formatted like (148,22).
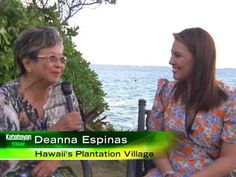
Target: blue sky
(138,32)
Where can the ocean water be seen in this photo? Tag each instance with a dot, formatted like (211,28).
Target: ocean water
(125,85)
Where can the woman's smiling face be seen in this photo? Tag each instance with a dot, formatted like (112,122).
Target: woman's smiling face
(181,61)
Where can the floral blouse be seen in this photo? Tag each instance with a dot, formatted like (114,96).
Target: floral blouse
(17,114)
(202,145)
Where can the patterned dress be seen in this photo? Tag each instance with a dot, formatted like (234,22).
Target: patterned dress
(17,114)
(202,145)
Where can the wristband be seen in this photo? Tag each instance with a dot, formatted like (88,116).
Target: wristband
(170,172)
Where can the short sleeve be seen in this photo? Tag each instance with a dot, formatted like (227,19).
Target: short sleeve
(8,117)
(75,102)
(8,122)
(155,121)
(229,123)
(76,108)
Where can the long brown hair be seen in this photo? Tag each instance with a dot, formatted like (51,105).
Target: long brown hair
(204,91)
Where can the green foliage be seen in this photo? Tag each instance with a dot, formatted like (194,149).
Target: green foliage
(100,124)
(7,35)
(15,17)
(87,87)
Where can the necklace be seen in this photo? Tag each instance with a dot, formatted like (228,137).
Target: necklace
(189,120)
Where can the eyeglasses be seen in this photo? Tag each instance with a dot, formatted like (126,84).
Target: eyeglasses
(51,58)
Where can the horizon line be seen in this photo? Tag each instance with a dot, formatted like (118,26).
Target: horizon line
(149,65)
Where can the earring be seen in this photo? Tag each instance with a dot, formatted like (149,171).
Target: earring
(29,70)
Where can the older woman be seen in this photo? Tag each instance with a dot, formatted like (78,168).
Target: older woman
(34,100)
(197,106)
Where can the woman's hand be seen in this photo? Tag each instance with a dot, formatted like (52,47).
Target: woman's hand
(45,168)
(71,121)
